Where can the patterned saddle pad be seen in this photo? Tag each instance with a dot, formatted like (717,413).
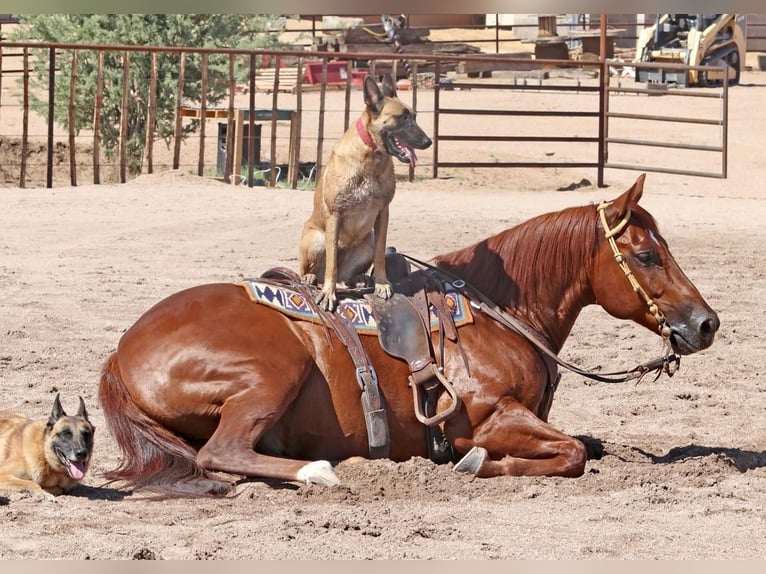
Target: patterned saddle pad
(356,310)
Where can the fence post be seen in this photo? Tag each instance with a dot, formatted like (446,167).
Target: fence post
(179,103)
(203,117)
(437,85)
(151,116)
(320,135)
(71,116)
(97,119)
(602,94)
(251,124)
(25,122)
(296,146)
(51,107)
(274,108)
(725,123)
(124,115)
(229,155)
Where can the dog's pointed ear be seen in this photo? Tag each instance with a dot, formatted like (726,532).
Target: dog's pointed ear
(57,412)
(373,97)
(389,87)
(81,412)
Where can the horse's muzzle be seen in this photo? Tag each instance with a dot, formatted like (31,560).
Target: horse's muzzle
(696,334)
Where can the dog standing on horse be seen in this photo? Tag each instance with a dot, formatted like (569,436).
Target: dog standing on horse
(347,229)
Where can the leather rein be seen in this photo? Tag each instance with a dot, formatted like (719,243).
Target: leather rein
(668,364)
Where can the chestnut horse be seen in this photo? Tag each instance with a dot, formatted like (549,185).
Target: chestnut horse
(207,380)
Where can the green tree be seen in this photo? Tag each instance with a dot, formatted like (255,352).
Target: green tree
(182,30)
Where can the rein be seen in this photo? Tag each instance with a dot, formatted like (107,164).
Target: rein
(667,364)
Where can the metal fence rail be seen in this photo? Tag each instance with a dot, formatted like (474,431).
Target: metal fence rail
(720,123)
(596,107)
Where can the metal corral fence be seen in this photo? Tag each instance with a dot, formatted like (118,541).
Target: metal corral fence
(329,76)
(714,122)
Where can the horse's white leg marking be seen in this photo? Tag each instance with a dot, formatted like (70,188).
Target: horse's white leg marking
(318,472)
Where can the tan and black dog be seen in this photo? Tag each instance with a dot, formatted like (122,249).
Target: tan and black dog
(346,231)
(45,457)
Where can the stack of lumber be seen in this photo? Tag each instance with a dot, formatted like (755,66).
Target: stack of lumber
(372,39)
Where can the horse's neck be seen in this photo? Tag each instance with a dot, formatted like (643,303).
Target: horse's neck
(546,289)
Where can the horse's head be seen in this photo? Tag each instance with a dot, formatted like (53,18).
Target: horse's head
(636,277)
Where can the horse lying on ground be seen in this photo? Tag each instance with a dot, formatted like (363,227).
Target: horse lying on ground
(208,380)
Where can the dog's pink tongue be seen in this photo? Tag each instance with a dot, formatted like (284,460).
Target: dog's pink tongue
(76,469)
(411,155)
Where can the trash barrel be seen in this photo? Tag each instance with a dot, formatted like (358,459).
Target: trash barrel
(221,148)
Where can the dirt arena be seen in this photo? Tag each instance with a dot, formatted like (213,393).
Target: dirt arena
(684,470)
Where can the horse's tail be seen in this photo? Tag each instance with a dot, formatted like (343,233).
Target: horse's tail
(153,458)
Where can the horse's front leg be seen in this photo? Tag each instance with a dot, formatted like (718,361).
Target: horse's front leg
(518,443)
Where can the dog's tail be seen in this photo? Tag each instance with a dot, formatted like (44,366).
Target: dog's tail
(153,458)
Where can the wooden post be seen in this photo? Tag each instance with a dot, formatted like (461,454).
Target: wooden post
(151,116)
(603,105)
(347,113)
(124,116)
(229,155)
(437,85)
(414,88)
(295,143)
(239,128)
(25,122)
(72,145)
(274,108)
(251,124)
(51,108)
(320,135)
(179,120)
(203,117)
(97,119)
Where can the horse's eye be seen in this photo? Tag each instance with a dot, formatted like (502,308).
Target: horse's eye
(648,258)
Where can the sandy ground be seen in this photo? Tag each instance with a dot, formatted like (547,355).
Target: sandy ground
(684,470)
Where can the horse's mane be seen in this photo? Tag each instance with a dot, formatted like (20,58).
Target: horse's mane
(523,266)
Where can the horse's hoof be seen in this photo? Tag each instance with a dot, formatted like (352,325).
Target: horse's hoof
(318,472)
(472,461)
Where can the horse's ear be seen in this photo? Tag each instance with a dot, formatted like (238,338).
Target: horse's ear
(389,88)
(620,206)
(373,97)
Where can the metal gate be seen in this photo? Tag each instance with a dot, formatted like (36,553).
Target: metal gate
(686,137)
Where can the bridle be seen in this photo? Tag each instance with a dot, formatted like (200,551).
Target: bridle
(668,363)
(662,325)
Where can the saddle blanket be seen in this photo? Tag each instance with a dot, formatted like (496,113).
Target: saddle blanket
(357,311)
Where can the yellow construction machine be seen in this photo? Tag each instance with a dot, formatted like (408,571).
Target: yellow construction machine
(692,40)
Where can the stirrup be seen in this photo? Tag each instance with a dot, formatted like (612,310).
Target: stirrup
(417,380)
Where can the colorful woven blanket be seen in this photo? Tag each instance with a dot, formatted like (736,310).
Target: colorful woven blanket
(357,311)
